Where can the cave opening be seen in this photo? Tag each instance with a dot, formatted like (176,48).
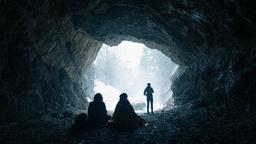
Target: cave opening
(46,68)
(128,67)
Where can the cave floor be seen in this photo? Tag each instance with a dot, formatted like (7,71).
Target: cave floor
(201,126)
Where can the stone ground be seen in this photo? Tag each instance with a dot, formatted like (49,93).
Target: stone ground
(166,127)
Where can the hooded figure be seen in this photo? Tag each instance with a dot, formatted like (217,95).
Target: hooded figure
(97,112)
(124,115)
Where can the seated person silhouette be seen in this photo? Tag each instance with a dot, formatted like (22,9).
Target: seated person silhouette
(97,113)
(124,115)
(80,123)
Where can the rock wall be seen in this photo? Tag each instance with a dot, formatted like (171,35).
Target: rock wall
(223,79)
(43,62)
(47,46)
(212,41)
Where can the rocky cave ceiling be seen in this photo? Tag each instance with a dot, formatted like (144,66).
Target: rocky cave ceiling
(183,30)
(47,46)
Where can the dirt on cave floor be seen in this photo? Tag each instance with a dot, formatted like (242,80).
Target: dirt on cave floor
(178,126)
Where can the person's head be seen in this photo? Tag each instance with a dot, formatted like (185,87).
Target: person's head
(98,97)
(123,97)
(149,84)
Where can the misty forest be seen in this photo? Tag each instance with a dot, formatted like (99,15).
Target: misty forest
(128,67)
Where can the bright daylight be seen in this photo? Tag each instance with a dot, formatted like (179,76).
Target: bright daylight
(128,68)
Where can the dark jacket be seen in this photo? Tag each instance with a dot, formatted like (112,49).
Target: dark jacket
(149,92)
(97,113)
(125,116)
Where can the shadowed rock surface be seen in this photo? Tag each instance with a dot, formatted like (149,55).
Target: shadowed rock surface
(47,48)
(181,126)
(43,60)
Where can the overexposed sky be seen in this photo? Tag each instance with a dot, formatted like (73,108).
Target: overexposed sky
(130,52)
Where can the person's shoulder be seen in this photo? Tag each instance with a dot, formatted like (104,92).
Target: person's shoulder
(122,103)
(102,103)
(128,103)
(92,103)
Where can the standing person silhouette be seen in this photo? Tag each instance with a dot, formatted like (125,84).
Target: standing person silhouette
(149,93)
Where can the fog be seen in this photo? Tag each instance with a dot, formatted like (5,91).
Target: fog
(128,68)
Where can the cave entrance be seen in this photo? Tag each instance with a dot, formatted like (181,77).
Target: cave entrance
(128,67)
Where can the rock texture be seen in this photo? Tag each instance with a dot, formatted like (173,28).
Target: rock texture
(47,46)
(212,41)
(183,30)
(178,126)
(44,61)
(222,79)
